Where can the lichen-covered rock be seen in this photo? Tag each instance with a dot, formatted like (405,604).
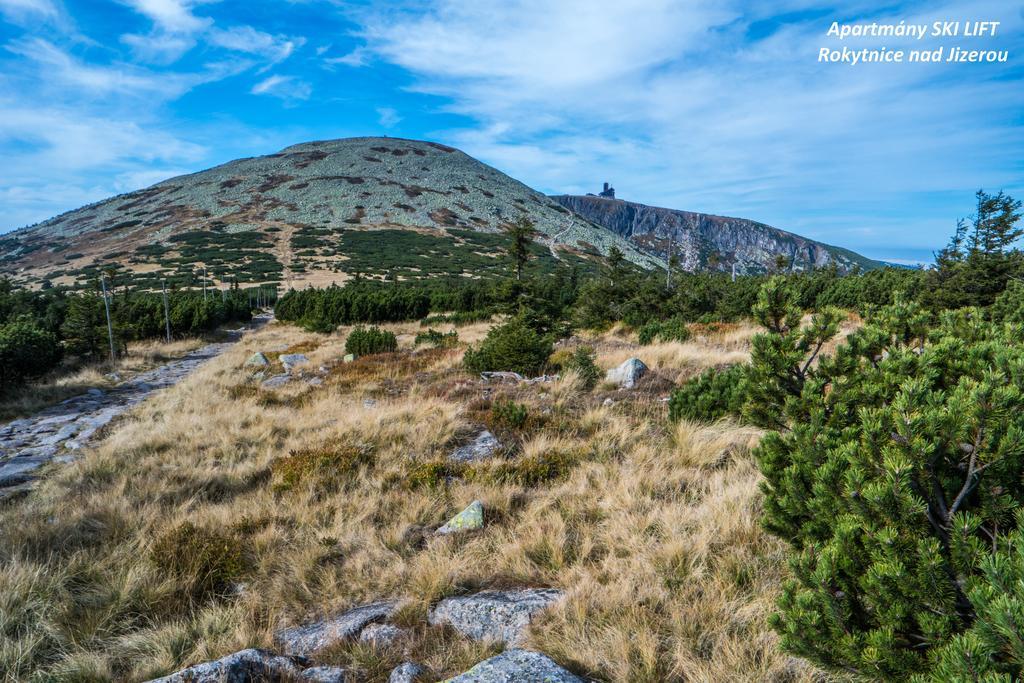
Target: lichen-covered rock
(241,667)
(380,635)
(277,381)
(324,674)
(483,446)
(517,666)
(494,615)
(348,358)
(291,360)
(407,672)
(628,374)
(469,519)
(257,360)
(311,638)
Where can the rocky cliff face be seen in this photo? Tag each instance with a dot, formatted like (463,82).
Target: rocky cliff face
(705,242)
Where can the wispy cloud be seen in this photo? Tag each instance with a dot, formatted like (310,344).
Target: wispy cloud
(388,117)
(356,58)
(283,87)
(173,16)
(19,10)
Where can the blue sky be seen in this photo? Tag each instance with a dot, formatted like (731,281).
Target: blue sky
(707,105)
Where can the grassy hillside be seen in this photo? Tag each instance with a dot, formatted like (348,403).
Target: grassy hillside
(313,213)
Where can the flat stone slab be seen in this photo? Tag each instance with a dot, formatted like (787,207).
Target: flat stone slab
(483,446)
(494,615)
(517,666)
(309,639)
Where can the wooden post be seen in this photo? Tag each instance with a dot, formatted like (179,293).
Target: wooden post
(167,311)
(110,326)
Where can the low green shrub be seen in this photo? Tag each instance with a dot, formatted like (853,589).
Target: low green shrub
(535,470)
(437,339)
(364,341)
(712,395)
(512,347)
(433,475)
(509,414)
(206,562)
(673,329)
(583,363)
(327,467)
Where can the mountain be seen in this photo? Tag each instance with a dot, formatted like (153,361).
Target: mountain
(314,213)
(705,242)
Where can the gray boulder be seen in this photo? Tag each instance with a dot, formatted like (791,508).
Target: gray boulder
(380,635)
(276,382)
(483,446)
(517,666)
(407,672)
(306,640)
(494,615)
(240,667)
(628,374)
(470,519)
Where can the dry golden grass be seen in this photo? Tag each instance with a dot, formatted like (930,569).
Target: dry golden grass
(53,389)
(652,531)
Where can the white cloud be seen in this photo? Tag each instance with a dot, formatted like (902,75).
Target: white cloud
(172,16)
(388,117)
(158,47)
(358,57)
(247,39)
(19,10)
(283,87)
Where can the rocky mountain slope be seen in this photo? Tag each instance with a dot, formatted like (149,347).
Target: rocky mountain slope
(315,213)
(705,242)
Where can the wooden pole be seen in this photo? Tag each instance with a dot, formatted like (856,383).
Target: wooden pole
(110,326)
(167,311)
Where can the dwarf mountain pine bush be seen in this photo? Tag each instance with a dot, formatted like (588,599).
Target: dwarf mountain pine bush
(513,346)
(712,395)
(895,475)
(367,341)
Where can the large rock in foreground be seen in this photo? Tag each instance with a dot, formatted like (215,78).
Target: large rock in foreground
(628,374)
(494,615)
(517,666)
(240,667)
(306,640)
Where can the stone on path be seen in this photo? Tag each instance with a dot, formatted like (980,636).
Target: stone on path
(240,667)
(468,520)
(407,672)
(311,638)
(484,445)
(517,666)
(494,615)
(628,374)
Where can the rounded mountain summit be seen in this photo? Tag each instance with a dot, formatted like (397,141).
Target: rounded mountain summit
(324,212)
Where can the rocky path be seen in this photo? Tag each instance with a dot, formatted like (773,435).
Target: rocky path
(56,433)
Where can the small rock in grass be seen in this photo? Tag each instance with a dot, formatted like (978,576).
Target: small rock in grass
(484,445)
(348,357)
(324,674)
(380,635)
(628,374)
(407,672)
(517,666)
(290,360)
(468,520)
(257,360)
